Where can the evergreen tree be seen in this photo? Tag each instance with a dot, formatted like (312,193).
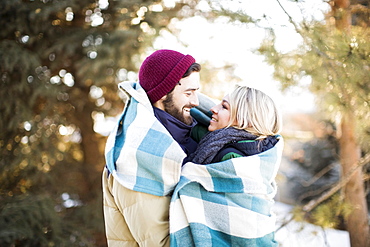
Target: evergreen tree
(335,55)
(60,62)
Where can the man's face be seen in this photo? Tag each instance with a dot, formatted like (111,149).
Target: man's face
(183,97)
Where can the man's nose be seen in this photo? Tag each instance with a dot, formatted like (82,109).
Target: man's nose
(194,101)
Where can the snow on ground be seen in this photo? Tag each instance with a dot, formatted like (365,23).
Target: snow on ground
(299,234)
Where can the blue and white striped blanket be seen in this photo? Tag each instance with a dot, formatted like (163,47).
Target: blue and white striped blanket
(140,152)
(226,203)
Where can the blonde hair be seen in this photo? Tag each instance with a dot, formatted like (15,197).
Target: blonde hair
(254,111)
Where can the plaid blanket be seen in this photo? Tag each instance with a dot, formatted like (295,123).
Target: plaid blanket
(140,153)
(226,203)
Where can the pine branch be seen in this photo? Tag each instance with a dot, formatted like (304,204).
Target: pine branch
(315,202)
(317,50)
(317,176)
(314,192)
(326,242)
(285,224)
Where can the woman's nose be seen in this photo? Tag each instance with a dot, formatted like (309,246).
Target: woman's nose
(214,110)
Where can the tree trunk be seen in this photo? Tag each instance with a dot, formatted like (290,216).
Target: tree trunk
(92,145)
(357,222)
(342,14)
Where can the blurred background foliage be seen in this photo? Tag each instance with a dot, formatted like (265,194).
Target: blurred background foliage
(335,56)
(60,63)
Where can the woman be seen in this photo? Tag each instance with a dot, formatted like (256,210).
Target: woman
(228,200)
(245,122)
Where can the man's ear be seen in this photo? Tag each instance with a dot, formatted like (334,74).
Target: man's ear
(159,103)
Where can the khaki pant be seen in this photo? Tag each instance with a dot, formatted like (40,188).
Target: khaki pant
(134,218)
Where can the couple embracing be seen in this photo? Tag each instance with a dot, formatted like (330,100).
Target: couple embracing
(183,171)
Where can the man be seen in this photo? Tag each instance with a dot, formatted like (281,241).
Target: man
(144,153)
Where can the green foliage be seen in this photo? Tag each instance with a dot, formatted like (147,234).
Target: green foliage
(333,63)
(331,213)
(220,9)
(337,65)
(298,214)
(60,63)
(41,226)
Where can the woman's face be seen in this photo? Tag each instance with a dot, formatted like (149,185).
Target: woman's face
(221,115)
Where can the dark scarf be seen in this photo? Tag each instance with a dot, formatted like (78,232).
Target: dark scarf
(178,130)
(214,141)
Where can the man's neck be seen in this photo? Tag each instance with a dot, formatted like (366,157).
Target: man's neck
(159,104)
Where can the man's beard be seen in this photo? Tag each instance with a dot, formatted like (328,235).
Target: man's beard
(170,108)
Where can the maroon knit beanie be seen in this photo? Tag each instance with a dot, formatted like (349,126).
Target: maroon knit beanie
(161,71)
